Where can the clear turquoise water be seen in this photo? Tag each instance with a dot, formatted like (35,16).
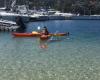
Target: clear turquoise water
(76,57)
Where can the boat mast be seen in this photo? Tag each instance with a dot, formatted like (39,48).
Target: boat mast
(13,4)
(5,3)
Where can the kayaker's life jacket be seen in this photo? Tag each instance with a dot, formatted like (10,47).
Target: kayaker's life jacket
(44,32)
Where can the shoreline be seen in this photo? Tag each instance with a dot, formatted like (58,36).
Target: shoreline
(52,17)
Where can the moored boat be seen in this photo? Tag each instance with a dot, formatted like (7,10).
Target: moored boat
(6,25)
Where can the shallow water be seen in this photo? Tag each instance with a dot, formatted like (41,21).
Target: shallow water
(75,57)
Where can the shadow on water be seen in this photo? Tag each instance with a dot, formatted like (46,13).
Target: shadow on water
(21,24)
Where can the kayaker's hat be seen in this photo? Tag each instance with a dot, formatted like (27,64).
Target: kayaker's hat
(45,27)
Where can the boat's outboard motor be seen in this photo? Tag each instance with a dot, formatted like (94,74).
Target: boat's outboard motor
(21,24)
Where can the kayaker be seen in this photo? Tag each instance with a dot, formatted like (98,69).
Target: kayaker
(44,31)
(44,34)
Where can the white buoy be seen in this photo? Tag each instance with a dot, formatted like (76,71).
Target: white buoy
(38,27)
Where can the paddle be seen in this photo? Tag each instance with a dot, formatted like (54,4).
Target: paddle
(53,36)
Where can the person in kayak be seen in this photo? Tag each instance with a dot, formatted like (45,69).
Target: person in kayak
(44,31)
(44,34)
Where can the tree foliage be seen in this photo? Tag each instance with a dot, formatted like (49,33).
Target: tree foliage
(83,7)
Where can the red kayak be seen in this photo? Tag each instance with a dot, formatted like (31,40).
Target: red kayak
(15,34)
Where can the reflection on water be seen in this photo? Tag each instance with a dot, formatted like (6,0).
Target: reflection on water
(73,58)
